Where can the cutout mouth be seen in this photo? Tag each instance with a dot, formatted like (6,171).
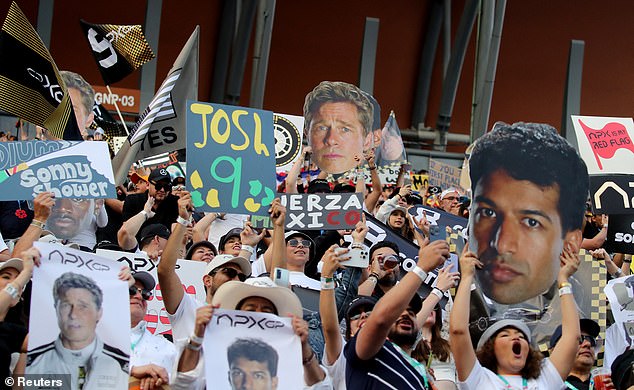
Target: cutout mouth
(517,348)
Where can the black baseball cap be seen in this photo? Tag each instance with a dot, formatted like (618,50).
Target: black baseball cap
(197,245)
(159,174)
(155,229)
(360,301)
(585,324)
(343,188)
(235,232)
(319,186)
(146,279)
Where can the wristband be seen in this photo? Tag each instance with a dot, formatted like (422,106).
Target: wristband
(372,168)
(564,284)
(196,339)
(374,277)
(247,248)
(12,291)
(605,225)
(144,214)
(565,290)
(183,221)
(420,273)
(193,347)
(356,245)
(327,283)
(37,223)
(618,273)
(437,292)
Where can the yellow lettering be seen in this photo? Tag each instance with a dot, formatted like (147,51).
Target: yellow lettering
(257,142)
(219,137)
(235,118)
(201,109)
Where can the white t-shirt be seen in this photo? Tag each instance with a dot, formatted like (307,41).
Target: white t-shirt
(615,344)
(336,370)
(483,378)
(3,245)
(184,318)
(295,278)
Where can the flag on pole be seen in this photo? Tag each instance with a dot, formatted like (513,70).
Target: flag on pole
(103,119)
(31,87)
(118,49)
(161,127)
(391,151)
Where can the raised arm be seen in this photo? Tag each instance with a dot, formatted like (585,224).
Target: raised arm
(565,351)
(460,339)
(201,229)
(375,179)
(371,337)
(446,280)
(328,306)
(171,286)
(275,255)
(30,257)
(126,236)
(291,177)
(42,206)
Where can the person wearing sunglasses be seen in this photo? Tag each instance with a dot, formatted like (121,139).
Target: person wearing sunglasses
(151,356)
(163,207)
(579,377)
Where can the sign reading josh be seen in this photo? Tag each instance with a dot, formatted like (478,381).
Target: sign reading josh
(230,158)
(322,211)
(68,169)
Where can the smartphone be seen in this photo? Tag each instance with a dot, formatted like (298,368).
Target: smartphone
(281,277)
(359,258)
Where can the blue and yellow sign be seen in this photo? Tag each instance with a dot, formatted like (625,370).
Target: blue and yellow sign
(230,158)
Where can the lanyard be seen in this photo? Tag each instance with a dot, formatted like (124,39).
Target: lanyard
(418,366)
(134,344)
(508,385)
(571,386)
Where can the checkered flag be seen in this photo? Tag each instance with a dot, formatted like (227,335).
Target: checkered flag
(118,49)
(31,87)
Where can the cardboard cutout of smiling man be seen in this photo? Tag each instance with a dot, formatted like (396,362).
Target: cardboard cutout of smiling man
(529,191)
(338,120)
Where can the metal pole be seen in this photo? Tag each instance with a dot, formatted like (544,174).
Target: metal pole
(45,20)
(421,97)
(152,27)
(262,48)
(450,84)
(485,30)
(446,37)
(368,55)
(484,107)
(223,50)
(239,52)
(572,93)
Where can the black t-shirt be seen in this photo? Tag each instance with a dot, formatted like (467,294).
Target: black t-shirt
(11,339)
(578,383)
(166,212)
(387,370)
(590,231)
(15,217)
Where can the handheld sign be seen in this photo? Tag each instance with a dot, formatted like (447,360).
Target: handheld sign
(322,211)
(230,158)
(68,169)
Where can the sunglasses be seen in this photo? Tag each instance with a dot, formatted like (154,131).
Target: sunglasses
(145,294)
(163,186)
(357,316)
(231,273)
(296,242)
(590,339)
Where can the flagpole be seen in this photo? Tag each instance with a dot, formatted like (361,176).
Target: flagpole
(118,112)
